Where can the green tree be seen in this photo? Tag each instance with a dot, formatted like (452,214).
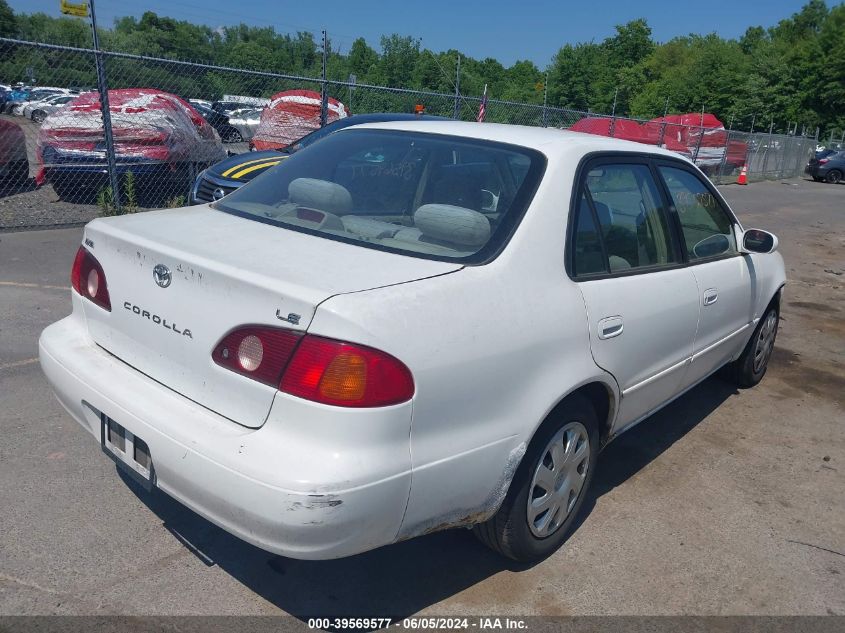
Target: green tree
(8,21)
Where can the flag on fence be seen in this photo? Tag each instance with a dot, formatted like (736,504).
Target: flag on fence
(482,109)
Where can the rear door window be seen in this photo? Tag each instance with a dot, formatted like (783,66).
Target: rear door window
(625,204)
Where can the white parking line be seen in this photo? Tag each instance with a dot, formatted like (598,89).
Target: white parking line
(16,284)
(19,363)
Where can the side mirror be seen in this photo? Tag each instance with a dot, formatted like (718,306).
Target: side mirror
(759,241)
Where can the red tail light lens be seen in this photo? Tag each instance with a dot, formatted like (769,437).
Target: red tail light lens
(315,368)
(259,352)
(89,280)
(346,375)
(822,161)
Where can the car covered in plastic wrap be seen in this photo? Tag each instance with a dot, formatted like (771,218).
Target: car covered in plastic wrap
(14,166)
(696,136)
(158,137)
(290,116)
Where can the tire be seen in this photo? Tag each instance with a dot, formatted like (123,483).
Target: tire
(524,535)
(833,176)
(235,137)
(18,174)
(38,116)
(748,370)
(70,190)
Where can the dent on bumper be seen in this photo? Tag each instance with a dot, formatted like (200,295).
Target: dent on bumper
(229,474)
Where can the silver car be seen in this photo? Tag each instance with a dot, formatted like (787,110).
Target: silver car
(245,120)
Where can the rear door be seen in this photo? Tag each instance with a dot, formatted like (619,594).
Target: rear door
(725,279)
(642,303)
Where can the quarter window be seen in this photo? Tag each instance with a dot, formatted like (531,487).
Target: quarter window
(589,258)
(633,226)
(706,227)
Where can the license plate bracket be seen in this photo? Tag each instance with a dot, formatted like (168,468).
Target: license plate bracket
(128,451)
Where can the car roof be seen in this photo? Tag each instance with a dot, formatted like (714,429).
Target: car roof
(550,141)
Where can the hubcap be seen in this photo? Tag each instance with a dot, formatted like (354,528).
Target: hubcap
(558,479)
(765,342)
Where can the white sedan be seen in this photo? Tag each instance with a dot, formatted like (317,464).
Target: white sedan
(409,327)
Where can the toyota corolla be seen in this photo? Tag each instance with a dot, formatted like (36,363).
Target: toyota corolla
(409,327)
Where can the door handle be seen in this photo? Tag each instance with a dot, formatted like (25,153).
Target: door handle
(710,296)
(610,327)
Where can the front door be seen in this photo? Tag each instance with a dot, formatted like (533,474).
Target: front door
(725,278)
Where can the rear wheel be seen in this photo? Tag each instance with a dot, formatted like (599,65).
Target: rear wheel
(549,487)
(17,174)
(38,116)
(66,189)
(235,137)
(833,176)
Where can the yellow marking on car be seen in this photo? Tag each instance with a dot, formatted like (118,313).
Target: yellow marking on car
(231,170)
(255,167)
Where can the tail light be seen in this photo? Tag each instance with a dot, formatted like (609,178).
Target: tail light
(346,375)
(258,352)
(89,280)
(316,368)
(822,161)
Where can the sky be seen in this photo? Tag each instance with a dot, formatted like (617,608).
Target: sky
(505,30)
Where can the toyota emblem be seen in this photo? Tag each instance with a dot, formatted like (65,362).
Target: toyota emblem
(217,194)
(162,276)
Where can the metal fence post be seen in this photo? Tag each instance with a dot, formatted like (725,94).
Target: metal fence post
(545,99)
(102,86)
(768,148)
(698,144)
(456,113)
(324,87)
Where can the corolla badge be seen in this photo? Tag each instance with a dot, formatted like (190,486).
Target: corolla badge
(162,276)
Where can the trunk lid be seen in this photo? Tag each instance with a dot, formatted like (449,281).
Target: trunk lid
(225,272)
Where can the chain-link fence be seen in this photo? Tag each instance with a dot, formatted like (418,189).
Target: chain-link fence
(169,120)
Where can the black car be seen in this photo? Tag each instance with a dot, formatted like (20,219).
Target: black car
(226,176)
(827,165)
(220,122)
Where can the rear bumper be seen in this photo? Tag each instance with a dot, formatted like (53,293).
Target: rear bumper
(817,171)
(277,487)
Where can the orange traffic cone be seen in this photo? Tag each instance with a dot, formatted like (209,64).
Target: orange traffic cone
(743,176)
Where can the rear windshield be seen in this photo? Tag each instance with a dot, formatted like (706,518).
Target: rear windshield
(432,196)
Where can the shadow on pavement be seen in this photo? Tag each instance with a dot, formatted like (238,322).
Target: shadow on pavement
(400,580)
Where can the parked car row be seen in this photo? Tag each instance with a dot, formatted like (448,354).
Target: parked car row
(34,103)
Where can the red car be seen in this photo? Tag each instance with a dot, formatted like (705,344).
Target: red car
(290,116)
(158,137)
(693,135)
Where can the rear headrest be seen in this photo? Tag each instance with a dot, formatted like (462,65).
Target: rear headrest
(453,224)
(320,194)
